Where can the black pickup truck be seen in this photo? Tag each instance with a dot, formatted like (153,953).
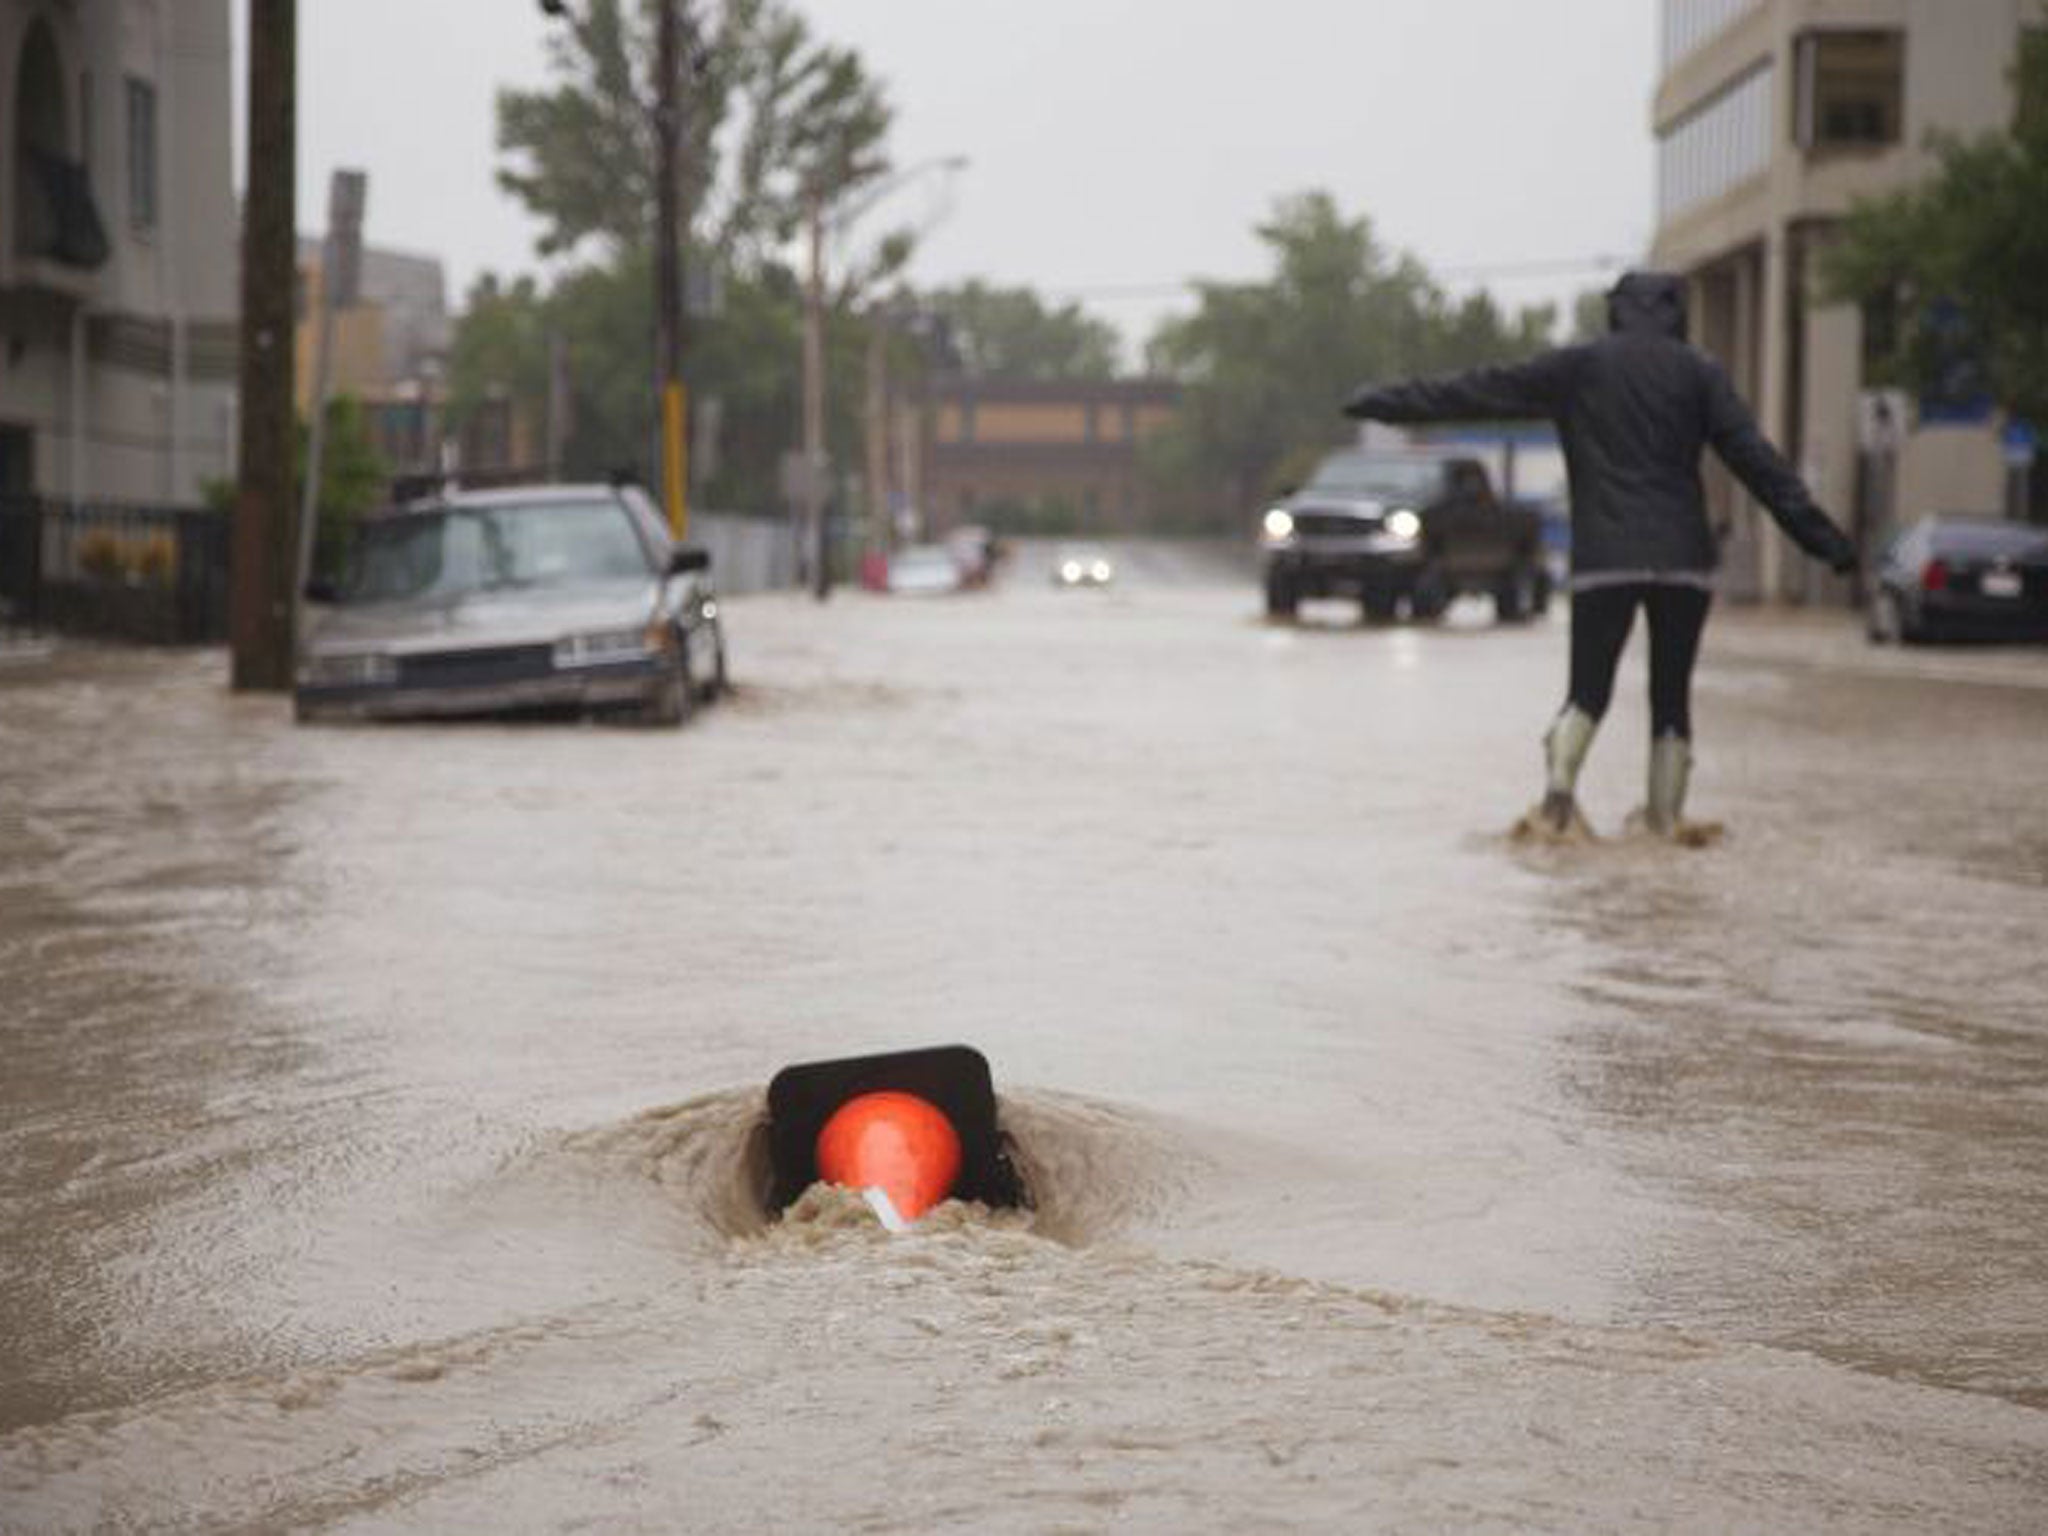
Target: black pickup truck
(1396,530)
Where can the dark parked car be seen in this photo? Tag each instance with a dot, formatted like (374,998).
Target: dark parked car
(1390,529)
(484,602)
(1961,578)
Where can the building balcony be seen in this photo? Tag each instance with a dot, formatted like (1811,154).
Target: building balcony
(60,242)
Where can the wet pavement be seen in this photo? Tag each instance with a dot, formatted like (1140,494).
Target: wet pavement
(375,1134)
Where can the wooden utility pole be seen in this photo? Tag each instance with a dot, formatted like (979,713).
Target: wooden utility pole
(668,268)
(260,598)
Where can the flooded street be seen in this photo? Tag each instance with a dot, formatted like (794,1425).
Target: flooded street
(375,1133)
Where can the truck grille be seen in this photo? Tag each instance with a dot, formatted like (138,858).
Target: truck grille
(1332,525)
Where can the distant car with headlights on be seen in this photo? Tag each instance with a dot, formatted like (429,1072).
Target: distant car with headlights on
(491,602)
(1961,578)
(1400,529)
(1083,565)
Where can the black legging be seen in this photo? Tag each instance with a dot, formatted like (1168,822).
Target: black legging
(1601,617)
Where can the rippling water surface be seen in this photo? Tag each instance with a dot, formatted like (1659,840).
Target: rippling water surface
(378,1133)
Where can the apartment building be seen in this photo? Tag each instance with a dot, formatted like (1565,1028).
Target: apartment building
(994,447)
(1771,118)
(117,249)
(390,351)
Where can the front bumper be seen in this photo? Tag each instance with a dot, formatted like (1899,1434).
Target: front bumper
(1346,572)
(611,685)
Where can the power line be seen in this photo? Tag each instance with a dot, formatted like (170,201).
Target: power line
(1536,267)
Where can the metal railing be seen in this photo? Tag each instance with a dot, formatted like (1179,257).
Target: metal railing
(153,574)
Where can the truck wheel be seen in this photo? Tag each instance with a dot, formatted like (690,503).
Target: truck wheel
(1430,595)
(1514,600)
(1282,601)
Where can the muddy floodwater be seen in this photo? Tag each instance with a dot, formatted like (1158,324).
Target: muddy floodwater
(376,1104)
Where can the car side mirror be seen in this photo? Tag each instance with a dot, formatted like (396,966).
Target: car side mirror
(685,558)
(321,590)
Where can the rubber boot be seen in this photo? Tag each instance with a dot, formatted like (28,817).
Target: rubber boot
(1565,746)
(1670,768)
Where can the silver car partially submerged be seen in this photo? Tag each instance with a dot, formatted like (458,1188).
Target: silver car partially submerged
(487,602)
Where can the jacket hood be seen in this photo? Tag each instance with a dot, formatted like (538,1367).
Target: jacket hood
(1648,301)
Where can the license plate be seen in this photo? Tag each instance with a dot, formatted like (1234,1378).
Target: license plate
(1999,584)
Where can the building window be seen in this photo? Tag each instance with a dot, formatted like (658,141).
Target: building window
(142,168)
(1689,23)
(1717,145)
(1851,89)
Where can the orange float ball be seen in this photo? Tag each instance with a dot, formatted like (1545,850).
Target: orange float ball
(895,1141)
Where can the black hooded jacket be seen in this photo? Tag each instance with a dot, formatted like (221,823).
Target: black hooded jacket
(1633,410)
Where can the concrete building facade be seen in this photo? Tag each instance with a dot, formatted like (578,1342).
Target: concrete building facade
(118,263)
(1772,117)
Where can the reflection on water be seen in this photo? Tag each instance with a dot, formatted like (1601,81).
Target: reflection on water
(380,1134)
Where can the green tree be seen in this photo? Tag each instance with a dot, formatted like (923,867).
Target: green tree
(1951,271)
(499,346)
(1589,315)
(741,368)
(353,478)
(1266,365)
(778,121)
(771,112)
(1010,333)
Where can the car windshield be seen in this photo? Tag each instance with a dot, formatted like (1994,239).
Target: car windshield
(485,548)
(1382,479)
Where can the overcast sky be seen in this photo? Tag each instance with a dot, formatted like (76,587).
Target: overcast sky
(1116,148)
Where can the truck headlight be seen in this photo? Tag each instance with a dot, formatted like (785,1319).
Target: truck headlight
(1404,525)
(1279,525)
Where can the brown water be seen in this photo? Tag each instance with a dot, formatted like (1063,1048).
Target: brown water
(374,1125)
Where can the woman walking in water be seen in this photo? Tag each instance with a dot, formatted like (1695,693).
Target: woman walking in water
(1634,411)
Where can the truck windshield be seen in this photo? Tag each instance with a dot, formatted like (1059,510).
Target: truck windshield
(1382,479)
(470,549)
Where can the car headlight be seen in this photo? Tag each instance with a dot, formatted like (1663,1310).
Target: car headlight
(1071,571)
(602,647)
(1100,570)
(1279,524)
(1403,524)
(349,669)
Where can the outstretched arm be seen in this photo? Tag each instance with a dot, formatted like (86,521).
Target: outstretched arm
(1761,468)
(1518,391)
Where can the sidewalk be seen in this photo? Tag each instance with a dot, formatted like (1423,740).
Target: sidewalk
(1833,639)
(19,646)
